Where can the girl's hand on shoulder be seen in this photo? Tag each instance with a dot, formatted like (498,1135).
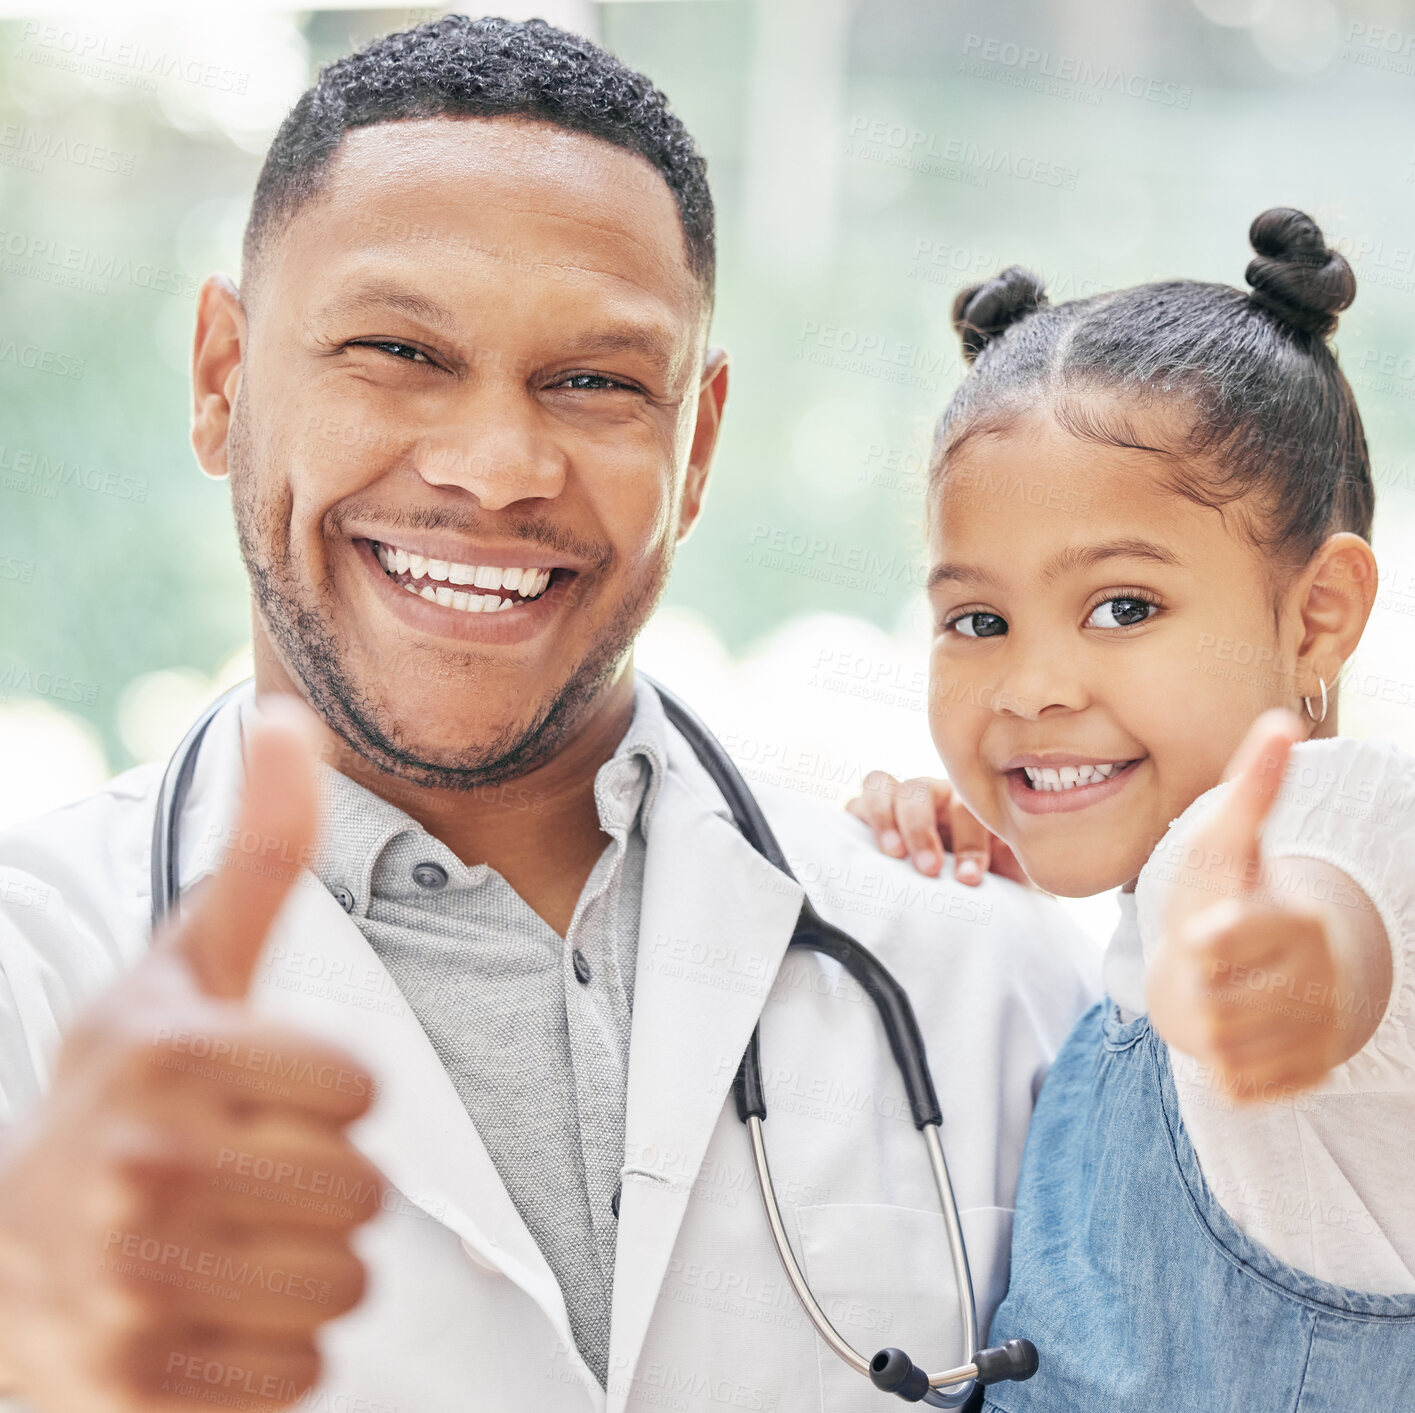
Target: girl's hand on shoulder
(921,818)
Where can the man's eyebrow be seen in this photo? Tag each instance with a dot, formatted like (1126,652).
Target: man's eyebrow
(376,298)
(652,340)
(1062,562)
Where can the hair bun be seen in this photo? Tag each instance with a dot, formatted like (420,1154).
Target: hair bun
(1297,276)
(981,312)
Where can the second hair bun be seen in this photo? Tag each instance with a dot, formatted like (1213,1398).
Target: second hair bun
(1297,276)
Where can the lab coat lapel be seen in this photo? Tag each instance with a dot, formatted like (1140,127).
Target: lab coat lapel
(318,973)
(716,920)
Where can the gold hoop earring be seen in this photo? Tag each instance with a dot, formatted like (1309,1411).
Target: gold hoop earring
(1307,703)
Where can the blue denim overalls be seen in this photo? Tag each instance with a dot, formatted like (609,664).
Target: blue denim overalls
(1141,1293)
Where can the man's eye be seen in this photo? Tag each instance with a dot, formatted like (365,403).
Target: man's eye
(1122,612)
(978,625)
(592,382)
(405,351)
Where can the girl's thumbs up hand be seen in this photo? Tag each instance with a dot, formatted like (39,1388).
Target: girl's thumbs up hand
(1245,982)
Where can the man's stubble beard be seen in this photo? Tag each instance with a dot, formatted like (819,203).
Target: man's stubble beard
(299,626)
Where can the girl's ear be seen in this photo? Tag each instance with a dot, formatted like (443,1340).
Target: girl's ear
(1335,596)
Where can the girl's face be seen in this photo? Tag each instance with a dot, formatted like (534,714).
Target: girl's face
(1093,631)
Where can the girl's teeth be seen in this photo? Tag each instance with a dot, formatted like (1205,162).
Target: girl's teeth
(1068,777)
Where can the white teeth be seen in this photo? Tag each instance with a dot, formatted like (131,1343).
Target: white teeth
(444,596)
(529,583)
(1068,777)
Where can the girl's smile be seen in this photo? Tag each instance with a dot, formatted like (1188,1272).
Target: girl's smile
(1061,788)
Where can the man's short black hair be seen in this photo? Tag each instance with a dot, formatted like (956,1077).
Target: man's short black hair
(459,67)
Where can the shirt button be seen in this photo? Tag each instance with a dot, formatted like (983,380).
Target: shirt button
(582,966)
(344,898)
(430,875)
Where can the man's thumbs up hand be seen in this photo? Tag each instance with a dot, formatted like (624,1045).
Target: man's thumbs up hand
(1221,986)
(175,1218)
(226,929)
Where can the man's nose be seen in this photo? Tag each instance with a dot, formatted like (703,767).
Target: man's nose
(498,450)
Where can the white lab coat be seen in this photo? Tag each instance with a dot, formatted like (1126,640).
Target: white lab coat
(462,1312)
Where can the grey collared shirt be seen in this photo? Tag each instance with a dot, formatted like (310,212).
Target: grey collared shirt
(533,1028)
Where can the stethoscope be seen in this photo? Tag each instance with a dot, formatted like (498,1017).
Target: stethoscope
(891,1369)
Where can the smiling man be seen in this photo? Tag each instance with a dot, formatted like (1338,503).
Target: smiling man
(466,1064)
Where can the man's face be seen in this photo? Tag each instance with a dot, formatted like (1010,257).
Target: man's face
(466,437)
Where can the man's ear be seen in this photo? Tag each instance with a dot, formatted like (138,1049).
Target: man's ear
(712,394)
(217,352)
(1334,598)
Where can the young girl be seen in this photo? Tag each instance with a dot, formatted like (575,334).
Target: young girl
(1149,514)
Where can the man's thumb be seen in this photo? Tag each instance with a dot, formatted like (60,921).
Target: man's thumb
(223,933)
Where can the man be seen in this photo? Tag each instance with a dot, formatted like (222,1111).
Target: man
(466,405)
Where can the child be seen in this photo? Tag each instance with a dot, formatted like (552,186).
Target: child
(1149,514)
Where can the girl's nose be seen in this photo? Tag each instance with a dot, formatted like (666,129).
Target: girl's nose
(1037,684)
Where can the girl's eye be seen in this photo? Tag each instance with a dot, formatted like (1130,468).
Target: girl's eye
(1124,611)
(978,625)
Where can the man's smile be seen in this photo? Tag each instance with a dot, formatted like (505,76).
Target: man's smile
(469,588)
(485,594)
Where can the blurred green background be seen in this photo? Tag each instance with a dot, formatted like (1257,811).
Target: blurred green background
(868,158)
